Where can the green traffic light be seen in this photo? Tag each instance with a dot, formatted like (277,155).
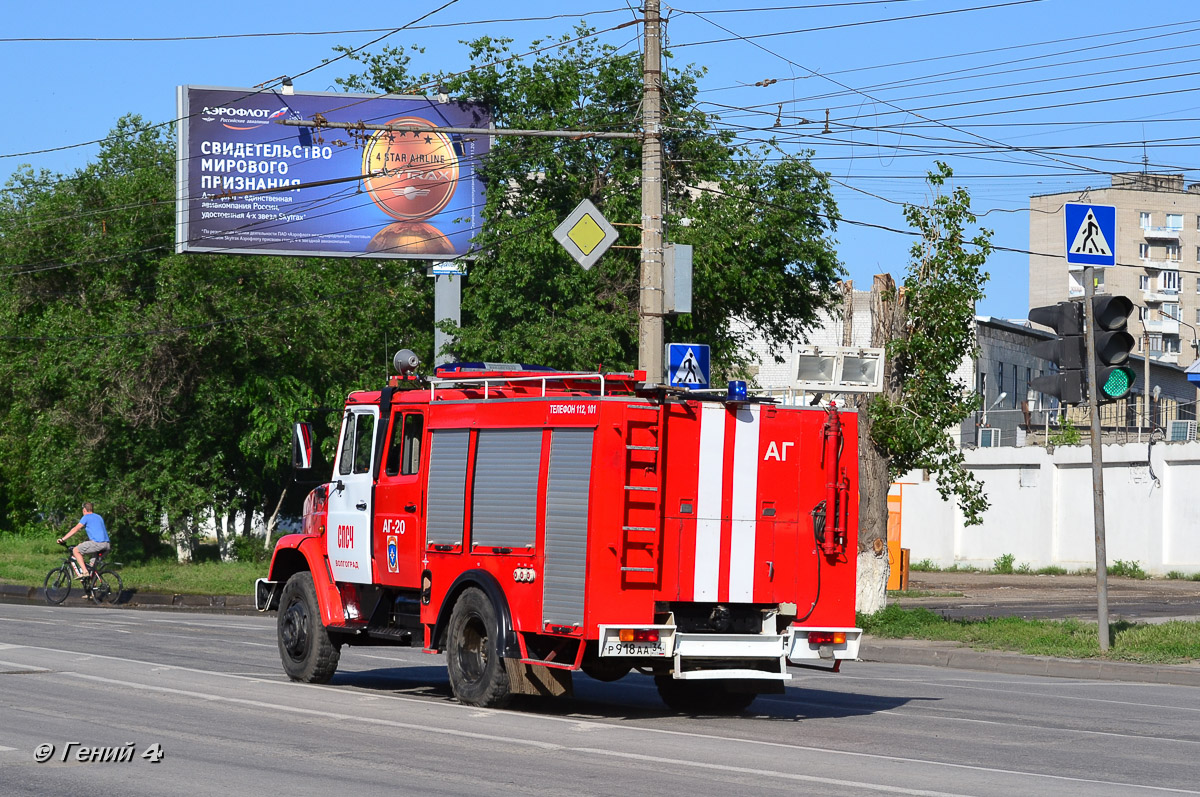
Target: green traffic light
(1117,383)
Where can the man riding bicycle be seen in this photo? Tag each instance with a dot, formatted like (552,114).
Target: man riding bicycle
(97,541)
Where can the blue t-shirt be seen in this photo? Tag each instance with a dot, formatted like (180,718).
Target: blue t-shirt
(93,524)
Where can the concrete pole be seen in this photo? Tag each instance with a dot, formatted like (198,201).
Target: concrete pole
(1089,290)
(447,301)
(651,347)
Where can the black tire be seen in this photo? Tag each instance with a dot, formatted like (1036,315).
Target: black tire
(308,654)
(478,676)
(57,585)
(702,696)
(107,587)
(605,671)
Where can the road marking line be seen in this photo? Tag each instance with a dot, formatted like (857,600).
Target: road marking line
(1123,684)
(570,720)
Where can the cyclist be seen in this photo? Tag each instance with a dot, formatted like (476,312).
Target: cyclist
(97,541)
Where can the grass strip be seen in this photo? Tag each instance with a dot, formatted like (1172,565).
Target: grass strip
(1173,642)
(26,560)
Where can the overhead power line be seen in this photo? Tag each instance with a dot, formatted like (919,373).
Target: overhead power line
(281,34)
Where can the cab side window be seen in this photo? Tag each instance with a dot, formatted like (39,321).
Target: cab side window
(347,456)
(414,426)
(404,445)
(364,428)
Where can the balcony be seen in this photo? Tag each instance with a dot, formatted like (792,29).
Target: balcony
(1158,264)
(1161,233)
(1156,295)
(1164,326)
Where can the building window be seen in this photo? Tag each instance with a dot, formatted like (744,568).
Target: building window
(1156,342)
(1171,344)
(1000,379)
(1198,315)
(1144,251)
(1144,282)
(1172,251)
(1168,281)
(1145,219)
(1014,388)
(1170,310)
(1174,221)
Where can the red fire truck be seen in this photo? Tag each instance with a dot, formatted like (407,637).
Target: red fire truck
(530,523)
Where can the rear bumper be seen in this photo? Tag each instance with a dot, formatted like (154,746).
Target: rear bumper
(760,657)
(801,649)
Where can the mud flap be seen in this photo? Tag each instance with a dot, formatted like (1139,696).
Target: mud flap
(536,679)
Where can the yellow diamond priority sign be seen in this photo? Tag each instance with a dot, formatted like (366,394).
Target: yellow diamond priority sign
(585,234)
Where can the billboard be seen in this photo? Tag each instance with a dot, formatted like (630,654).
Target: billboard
(249,185)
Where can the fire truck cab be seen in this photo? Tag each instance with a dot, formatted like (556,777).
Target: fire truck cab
(530,523)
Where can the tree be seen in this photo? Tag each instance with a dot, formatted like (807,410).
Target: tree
(761,229)
(928,328)
(158,384)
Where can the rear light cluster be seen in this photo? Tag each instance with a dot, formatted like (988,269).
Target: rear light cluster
(826,637)
(639,634)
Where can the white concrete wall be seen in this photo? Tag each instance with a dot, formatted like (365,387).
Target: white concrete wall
(1041,509)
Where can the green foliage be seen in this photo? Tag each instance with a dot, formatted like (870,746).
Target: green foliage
(1125,569)
(1051,570)
(760,227)
(1169,642)
(1066,435)
(159,384)
(1004,564)
(924,566)
(923,397)
(25,559)
(1180,575)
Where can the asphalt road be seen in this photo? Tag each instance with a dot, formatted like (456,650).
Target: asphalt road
(209,691)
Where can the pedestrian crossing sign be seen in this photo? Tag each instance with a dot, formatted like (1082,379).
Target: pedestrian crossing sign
(1091,234)
(687,365)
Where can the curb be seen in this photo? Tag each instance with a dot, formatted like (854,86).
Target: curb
(955,656)
(132,599)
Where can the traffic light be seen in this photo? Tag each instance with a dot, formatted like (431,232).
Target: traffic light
(1067,351)
(1114,378)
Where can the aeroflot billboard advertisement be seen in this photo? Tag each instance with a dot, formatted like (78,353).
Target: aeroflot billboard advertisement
(249,185)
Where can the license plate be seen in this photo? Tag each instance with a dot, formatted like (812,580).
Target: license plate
(615,647)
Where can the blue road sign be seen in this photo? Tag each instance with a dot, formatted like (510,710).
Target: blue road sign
(1091,234)
(687,365)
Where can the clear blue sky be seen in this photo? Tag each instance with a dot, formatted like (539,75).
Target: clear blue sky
(1019,97)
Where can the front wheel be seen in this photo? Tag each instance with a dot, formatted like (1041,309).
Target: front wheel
(478,676)
(107,586)
(57,585)
(308,653)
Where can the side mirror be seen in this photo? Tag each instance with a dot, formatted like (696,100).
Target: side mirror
(302,446)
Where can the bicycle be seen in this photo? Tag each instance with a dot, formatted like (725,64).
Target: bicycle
(101,586)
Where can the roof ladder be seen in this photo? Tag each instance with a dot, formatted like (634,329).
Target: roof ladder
(641,532)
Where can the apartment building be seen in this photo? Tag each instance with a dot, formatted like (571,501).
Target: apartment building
(1157,253)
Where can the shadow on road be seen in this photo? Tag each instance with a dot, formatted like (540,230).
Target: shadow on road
(632,698)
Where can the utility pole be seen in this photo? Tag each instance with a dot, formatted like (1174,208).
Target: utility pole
(1089,291)
(651,347)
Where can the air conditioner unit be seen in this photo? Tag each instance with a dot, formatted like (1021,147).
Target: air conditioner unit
(1181,431)
(989,438)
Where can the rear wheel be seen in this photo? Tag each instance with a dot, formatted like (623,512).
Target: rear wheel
(308,653)
(107,586)
(57,585)
(703,696)
(478,676)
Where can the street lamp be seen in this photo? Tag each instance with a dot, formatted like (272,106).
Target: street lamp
(1003,395)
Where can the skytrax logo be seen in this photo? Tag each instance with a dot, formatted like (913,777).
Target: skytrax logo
(242,118)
